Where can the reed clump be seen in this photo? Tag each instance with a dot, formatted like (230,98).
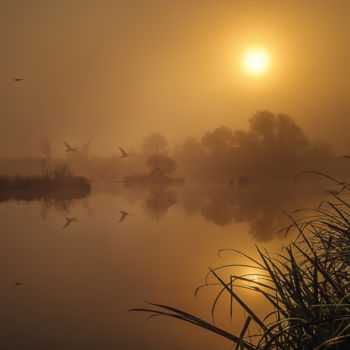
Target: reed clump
(307,285)
(57,183)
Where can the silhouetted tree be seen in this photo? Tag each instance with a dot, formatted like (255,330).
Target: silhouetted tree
(161,164)
(218,141)
(155,143)
(279,132)
(191,157)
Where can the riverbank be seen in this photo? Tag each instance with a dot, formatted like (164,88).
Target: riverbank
(38,187)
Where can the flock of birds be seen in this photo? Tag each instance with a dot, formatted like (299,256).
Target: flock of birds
(69,148)
(124,154)
(123,215)
(69,221)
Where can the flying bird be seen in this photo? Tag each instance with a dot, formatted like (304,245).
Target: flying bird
(124,214)
(17,79)
(18,284)
(124,153)
(69,221)
(69,148)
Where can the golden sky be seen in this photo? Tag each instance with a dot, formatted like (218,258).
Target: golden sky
(119,70)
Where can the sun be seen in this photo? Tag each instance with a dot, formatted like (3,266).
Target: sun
(256,61)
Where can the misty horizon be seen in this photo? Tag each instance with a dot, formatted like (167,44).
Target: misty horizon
(140,139)
(105,70)
(87,145)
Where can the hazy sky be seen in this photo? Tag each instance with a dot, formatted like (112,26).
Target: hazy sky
(119,70)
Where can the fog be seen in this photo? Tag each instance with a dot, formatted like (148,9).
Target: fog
(183,153)
(273,148)
(226,176)
(119,70)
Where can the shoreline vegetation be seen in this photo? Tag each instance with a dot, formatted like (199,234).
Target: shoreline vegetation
(161,167)
(58,183)
(307,285)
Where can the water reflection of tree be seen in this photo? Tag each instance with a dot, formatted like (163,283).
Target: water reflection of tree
(158,201)
(61,205)
(258,206)
(61,201)
(259,209)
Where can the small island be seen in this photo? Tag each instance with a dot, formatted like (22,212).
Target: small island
(161,167)
(58,183)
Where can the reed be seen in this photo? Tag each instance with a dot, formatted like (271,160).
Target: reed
(307,285)
(58,183)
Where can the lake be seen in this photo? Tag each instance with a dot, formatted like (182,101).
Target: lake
(80,276)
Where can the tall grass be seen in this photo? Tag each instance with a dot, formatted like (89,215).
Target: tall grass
(307,285)
(57,183)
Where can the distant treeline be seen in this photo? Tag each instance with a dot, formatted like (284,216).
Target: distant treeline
(273,147)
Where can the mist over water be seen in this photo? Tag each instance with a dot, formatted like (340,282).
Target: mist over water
(155,218)
(174,152)
(273,148)
(80,279)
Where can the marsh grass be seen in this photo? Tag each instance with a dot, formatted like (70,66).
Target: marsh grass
(58,183)
(307,285)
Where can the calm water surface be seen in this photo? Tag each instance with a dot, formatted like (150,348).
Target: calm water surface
(79,281)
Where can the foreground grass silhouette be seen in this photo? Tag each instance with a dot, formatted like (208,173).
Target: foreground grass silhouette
(307,286)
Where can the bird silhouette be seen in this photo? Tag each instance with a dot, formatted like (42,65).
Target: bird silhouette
(124,153)
(123,215)
(18,79)
(69,221)
(18,284)
(69,148)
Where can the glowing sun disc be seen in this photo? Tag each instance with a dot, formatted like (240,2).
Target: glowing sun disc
(256,61)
